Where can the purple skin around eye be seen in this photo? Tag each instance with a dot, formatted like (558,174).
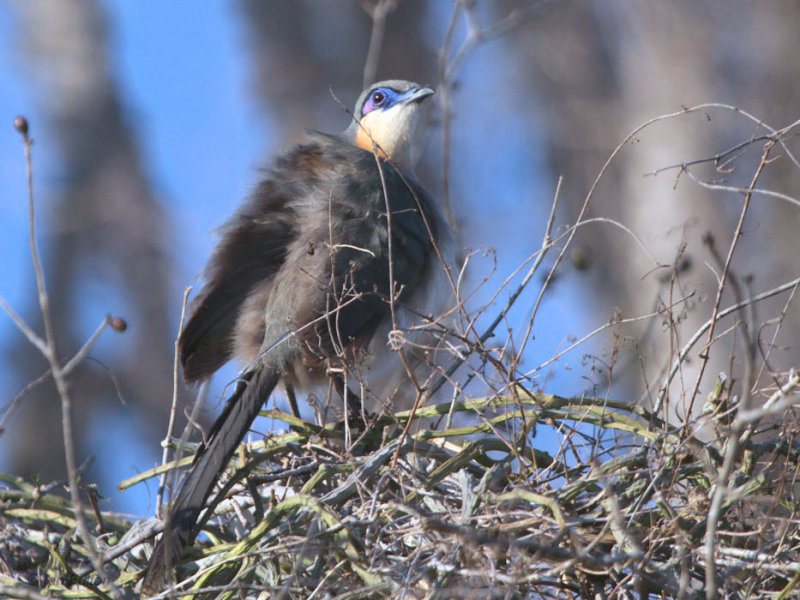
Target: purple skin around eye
(368,107)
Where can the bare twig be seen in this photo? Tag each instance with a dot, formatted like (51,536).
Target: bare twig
(721,485)
(50,354)
(174,406)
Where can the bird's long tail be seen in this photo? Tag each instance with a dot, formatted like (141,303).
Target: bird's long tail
(228,431)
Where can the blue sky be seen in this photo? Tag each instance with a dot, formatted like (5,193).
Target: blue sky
(186,88)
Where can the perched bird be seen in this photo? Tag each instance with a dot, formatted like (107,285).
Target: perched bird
(335,250)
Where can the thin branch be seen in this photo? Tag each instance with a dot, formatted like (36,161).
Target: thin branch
(721,485)
(59,378)
(162,482)
(33,338)
(79,356)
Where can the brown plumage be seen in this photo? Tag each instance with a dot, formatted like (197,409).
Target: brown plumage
(301,280)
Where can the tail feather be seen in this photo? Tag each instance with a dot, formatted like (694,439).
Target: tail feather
(227,432)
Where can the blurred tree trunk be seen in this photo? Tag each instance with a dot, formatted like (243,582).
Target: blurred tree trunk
(651,46)
(768,84)
(104,240)
(600,70)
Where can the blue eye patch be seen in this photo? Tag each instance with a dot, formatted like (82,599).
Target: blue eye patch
(379,98)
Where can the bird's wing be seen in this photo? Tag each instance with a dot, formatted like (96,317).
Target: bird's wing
(252,249)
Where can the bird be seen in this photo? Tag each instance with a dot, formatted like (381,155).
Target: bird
(337,250)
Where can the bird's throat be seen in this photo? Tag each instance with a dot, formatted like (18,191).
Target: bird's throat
(366,141)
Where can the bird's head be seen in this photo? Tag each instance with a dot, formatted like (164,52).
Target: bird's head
(385,117)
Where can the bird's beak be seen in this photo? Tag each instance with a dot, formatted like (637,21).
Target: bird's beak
(416,95)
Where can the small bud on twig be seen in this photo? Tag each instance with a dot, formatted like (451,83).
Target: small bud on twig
(21,125)
(118,324)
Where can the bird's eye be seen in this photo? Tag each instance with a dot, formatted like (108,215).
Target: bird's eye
(378,97)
